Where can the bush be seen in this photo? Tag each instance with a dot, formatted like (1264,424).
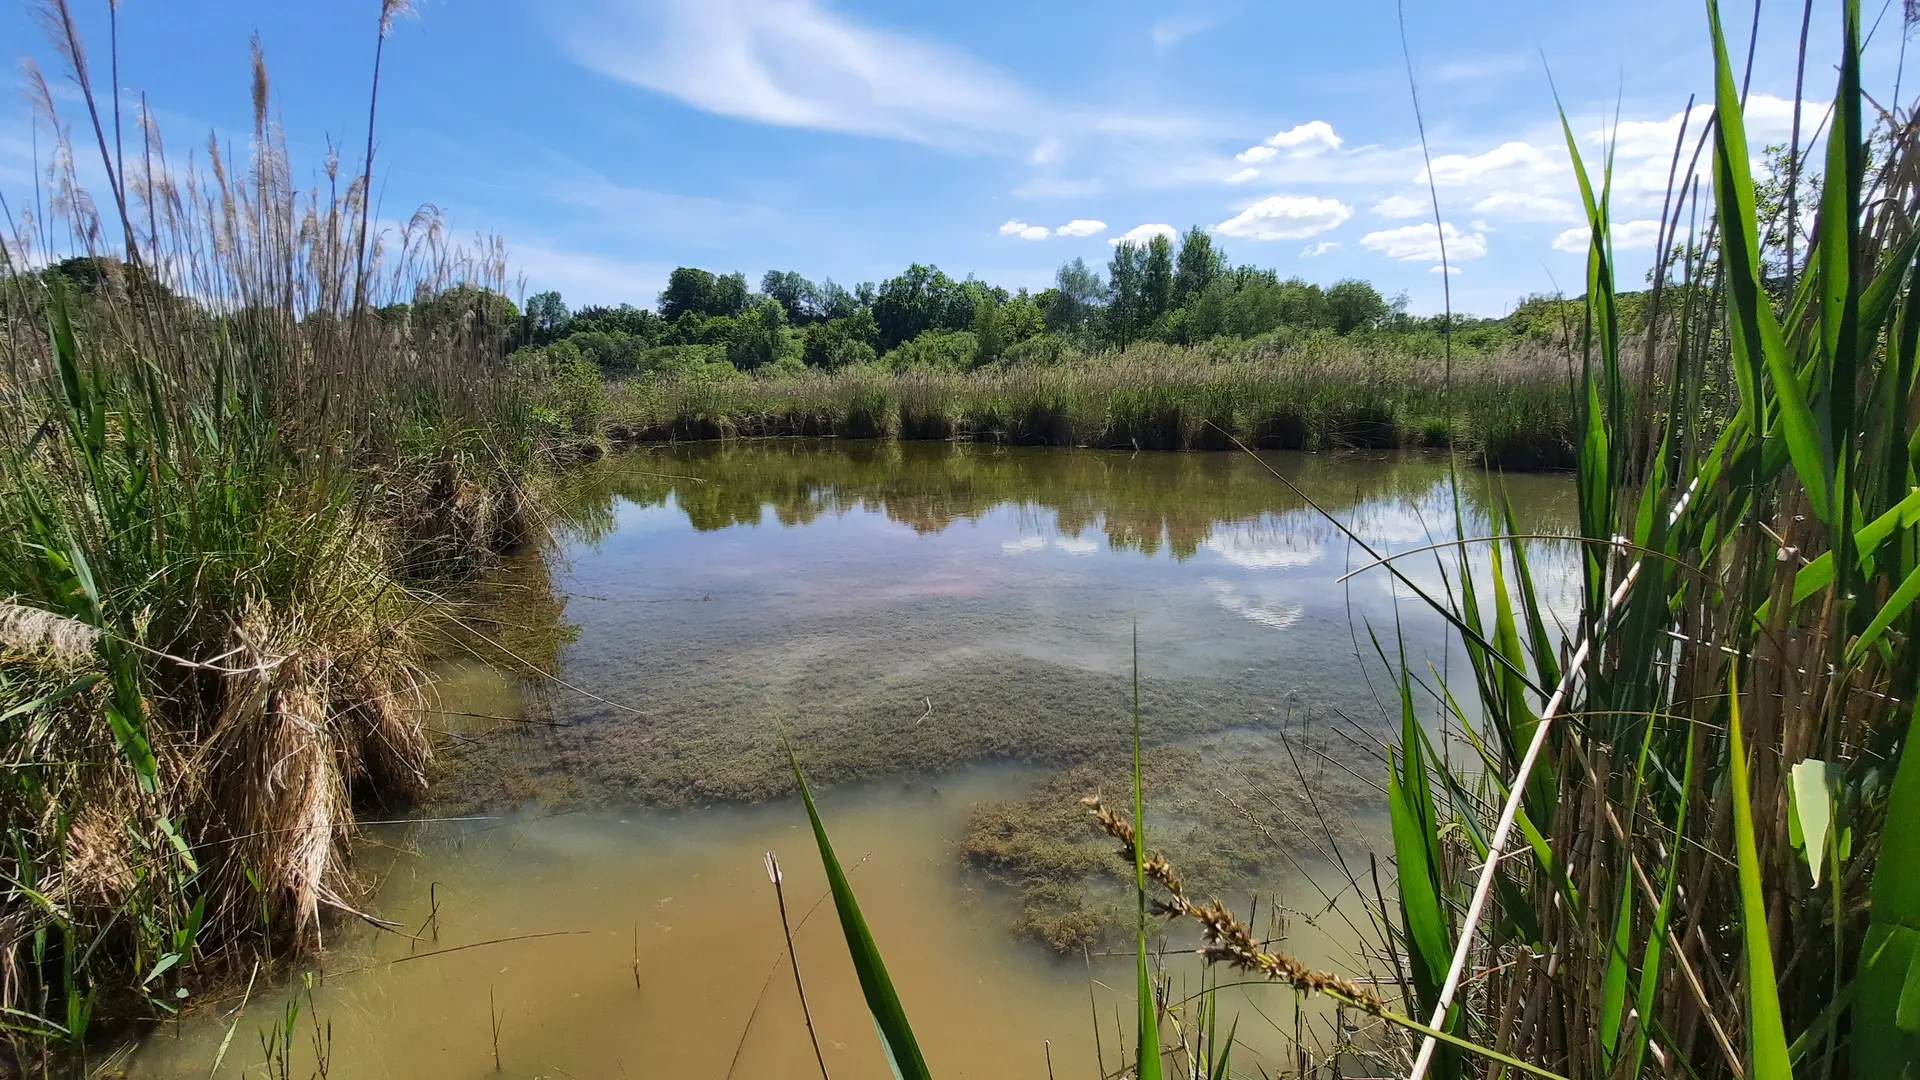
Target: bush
(936,350)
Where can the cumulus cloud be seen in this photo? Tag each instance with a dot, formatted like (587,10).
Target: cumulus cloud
(1243,176)
(1508,160)
(1421,243)
(1310,137)
(1627,236)
(1256,154)
(1023,230)
(1141,234)
(1081,227)
(1401,206)
(1314,251)
(1286,217)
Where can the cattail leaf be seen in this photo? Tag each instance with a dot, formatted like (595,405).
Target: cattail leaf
(1753,331)
(1766,1032)
(889,1018)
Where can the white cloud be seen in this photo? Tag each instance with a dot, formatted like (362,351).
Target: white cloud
(797,64)
(1075,545)
(1449,269)
(1508,160)
(1256,154)
(1286,217)
(1081,227)
(1627,236)
(1527,206)
(1401,206)
(1314,251)
(1023,230)
(1174,29)
(1421,243)
(1024,545)
(1141,234)
(1302,139)
(1243,176)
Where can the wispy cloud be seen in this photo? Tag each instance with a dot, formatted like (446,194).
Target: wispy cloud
(1174,29)
(794,63)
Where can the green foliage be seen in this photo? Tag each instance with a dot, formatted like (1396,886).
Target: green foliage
(692,291)
(936,350)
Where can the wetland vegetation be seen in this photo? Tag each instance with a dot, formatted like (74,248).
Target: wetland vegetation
(1577,775)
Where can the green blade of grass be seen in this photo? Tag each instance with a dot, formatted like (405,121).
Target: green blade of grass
(889,1019)
(1147,1046)
(1766,1032)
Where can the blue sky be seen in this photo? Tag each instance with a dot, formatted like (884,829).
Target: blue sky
(615,139)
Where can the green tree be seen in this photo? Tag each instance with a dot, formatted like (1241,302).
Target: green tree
(795,293)
(1077,294)
(989,331)
(625,319)
(759,337)
(1198,264)
(545,318)
(1353,304)
(693,291)
(838,343)
(1156,284)
(921,298)
(689,291)
(1124,274)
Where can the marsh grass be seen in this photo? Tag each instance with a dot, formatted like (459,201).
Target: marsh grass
(242,432)
(1508,409)
(1681,843)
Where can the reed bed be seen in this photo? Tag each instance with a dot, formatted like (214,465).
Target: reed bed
(1511,410)
(1674,837)
(242,432)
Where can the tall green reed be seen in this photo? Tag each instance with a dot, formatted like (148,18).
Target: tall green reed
(231,429)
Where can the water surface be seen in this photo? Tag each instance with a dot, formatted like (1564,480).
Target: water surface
(938,629)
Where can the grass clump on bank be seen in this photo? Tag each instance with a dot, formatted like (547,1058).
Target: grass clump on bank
(242,430)
(1508,409)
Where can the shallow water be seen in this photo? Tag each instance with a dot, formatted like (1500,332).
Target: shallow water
(936,627)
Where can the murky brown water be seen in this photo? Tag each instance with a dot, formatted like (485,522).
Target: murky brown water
(937,628)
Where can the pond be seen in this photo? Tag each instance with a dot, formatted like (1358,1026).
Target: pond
(946,634)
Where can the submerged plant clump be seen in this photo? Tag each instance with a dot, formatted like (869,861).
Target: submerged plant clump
(1233,812)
